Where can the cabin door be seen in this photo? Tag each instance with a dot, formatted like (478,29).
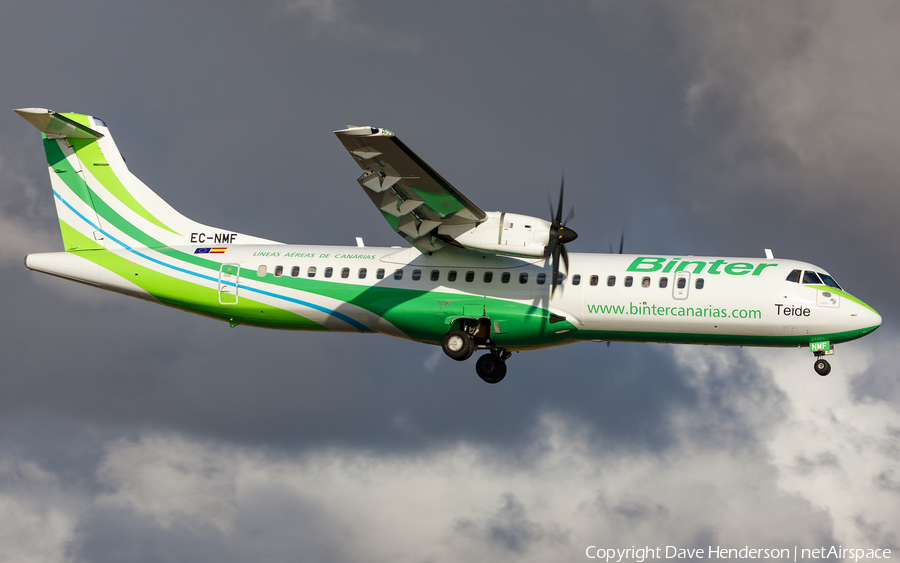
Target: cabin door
(229,276)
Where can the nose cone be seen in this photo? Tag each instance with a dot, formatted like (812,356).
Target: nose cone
(869,319)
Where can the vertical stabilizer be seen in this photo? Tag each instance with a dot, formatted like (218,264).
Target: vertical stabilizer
(100,203)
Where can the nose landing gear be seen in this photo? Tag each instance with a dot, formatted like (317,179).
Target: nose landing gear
(822,349)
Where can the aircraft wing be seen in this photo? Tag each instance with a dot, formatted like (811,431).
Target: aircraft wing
(414,199)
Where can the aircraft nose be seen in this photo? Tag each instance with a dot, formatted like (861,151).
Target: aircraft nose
(869,320)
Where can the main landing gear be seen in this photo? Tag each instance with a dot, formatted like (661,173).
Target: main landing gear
(461,344)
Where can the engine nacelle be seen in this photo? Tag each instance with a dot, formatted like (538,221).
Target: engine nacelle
(503,233)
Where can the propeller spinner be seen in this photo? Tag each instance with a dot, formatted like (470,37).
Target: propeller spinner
(559,236)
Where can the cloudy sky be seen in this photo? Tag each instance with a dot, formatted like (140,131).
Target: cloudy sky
(130,432)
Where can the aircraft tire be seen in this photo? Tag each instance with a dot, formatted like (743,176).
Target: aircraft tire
(458,345)
(490,368)
(822,367)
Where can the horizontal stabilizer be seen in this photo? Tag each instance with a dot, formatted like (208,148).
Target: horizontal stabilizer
(55,125)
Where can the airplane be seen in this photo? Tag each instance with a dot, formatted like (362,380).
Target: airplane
(469,280)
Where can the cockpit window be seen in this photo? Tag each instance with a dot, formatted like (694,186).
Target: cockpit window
(829,281)
(794,276)
(811,277)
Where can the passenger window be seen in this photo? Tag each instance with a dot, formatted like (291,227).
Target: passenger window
(663,282)
(611,281)
(488,276)
(278,271)
(470,276)
(576,279)
(811,277)
(794,276)
(681,283)
(560,277)
(362,273)
(398,274)
(310,273)
(628,281)
(345,273)
(261,271)
(523,277)
(541,278)
(435,275)
(328,272)
(829,281)
(379,273)
(699,283)
(451,275)
(417,275)
(295,271)
(645,282)
(595,280)
(504,277)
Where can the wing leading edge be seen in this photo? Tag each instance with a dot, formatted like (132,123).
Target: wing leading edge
(414,199)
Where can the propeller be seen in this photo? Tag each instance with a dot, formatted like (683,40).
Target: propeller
(559,236)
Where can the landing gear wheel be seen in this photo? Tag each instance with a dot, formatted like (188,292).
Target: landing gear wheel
(491,368)
(823,368)
(458,345)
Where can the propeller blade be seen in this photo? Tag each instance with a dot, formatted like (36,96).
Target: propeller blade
(555,274)
(562,187)
(570,216)
(565,257)
(622,242)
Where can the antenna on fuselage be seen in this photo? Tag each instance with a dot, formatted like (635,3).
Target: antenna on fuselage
(769,255)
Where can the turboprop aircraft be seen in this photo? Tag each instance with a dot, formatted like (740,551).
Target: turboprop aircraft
(470,279)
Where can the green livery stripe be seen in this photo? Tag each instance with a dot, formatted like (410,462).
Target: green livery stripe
(79,118)
(394,222)
(75,241)
(843,294)
(197,298)
(443,203)
(88,151)
(789,340)
(433,311)
(79,187)
(394,305)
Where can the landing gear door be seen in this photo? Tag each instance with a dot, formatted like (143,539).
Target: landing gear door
(229,276)
(682,285)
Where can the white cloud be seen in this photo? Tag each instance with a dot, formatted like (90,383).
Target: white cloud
(838,452)
(37,518)
(804,464)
